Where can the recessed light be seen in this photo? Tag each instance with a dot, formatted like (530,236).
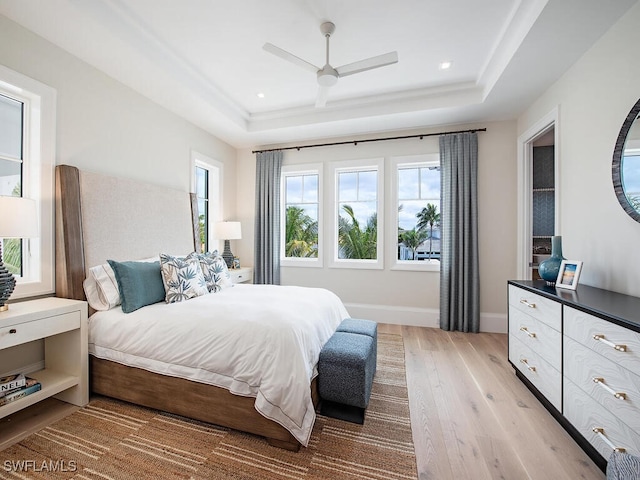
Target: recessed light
(445,65)
(260,95)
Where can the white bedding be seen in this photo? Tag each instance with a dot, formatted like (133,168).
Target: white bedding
(254,340)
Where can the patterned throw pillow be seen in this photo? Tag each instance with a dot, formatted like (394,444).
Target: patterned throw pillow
(215,270)
(182,277)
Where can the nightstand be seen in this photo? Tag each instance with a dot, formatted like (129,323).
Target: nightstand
(241,275)
(62,325)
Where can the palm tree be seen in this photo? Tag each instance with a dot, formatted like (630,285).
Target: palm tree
(301,234)
(353,241)
(428,217)
(413,239)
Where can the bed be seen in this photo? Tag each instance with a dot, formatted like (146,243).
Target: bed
(225,335)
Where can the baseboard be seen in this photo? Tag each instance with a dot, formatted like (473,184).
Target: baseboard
(420,317)
(412,316)
(493,322)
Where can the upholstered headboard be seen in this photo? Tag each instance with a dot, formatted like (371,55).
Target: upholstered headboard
(99,217)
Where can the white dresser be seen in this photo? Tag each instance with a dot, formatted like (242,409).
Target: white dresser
(579,352)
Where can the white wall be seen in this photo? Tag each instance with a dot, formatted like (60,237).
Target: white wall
(404,296)
(106,127)
(593,98)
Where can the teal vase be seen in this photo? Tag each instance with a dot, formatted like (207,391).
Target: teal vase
(549,268)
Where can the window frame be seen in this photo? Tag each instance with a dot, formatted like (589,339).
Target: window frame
(359,166)
(215,190)
(39,149)
(293,171)
(427,159)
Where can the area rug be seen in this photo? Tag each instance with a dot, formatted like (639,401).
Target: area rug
(109,439)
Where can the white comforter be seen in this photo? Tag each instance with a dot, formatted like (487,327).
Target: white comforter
(254,340)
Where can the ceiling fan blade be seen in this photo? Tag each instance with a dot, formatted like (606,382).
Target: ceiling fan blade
(277,51)
(368,64)
(323,94)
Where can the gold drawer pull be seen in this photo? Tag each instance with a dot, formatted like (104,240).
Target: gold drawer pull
(600,338)
(618,395)
(530,305)
(600,432)
(525,330)
(524,360)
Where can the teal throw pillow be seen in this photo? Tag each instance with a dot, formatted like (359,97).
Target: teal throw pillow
(140,284)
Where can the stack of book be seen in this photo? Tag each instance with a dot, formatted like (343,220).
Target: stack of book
(13,387)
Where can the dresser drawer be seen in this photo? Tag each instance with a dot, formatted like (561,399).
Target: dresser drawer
(585,414)
(615,388)
(612,341)
(20,333)
(538,336)
(541,373)
(541,308)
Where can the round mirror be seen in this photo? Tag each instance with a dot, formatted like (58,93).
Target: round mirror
(626,164)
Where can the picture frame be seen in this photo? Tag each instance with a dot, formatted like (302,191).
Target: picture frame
(236,263)
(569,274)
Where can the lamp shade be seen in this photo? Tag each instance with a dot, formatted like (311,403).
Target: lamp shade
(18,217)
(228,230)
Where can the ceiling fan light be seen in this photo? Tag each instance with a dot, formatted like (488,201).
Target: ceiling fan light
(327,79)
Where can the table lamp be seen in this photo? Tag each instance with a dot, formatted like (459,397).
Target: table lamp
(228,231)
(18,219)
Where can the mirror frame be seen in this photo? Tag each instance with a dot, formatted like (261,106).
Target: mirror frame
(616,168)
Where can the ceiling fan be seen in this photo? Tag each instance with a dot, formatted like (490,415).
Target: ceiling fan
(327,75)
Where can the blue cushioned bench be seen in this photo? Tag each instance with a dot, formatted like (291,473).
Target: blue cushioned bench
(346,368)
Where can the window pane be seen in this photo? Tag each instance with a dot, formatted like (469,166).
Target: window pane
(10,178)
(10,128)
(408,183)
(430,183)
(201,182)
(368,185)
(294,189)
(301,222)
(203,218)
(416,206)
(358,230)
(347,186)
(310,186)
(301,230)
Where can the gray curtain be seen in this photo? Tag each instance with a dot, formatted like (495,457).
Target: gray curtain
(267,229)
(459,278)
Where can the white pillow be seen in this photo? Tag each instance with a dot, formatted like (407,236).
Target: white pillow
(101,286)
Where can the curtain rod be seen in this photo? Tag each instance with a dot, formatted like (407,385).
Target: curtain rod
(356,142)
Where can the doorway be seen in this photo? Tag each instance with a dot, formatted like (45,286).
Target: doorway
(538,218)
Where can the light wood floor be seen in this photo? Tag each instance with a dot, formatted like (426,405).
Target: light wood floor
(473,419)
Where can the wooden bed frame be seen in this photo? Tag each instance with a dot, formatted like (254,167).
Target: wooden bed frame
(170,394)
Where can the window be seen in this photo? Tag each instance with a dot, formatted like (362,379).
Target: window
(202,196)
(417,187)
(206,185)
(301,216)
(358,214)
(27,152)
(11,159)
